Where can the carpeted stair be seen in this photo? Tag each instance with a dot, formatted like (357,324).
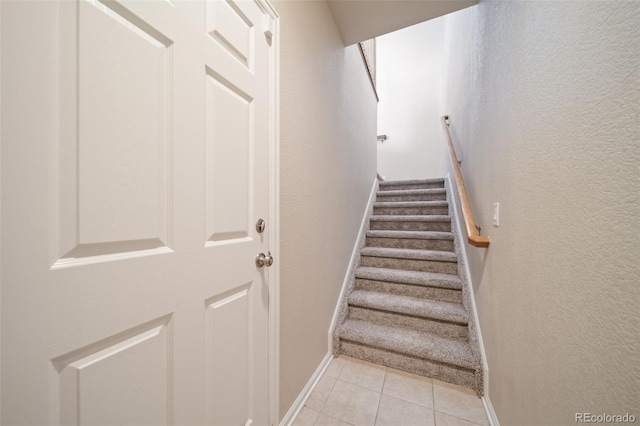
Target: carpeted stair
(407,307)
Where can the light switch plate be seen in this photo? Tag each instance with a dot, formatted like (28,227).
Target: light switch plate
(496,214)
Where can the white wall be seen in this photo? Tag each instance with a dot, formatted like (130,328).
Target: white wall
(409,77)
(328,166)
(543,99)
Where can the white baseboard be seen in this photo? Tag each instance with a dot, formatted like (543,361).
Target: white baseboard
(352,262)
(298,404)
(454,205)
(486,402)
(491,414)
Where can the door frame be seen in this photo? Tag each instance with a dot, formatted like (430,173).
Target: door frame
(274,212)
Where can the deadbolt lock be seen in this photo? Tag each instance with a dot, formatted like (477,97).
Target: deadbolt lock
(260,225)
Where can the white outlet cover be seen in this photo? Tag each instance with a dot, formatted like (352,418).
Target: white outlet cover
(496,214)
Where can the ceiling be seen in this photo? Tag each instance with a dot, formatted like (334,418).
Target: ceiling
(360,20)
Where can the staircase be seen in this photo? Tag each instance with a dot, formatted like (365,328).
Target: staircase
(408,307)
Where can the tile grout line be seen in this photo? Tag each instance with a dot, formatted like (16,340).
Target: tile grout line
(353,384)
(433,402)
(328,393)
(324,375)
(381,393)
(335,418)
(420,404)
(363,387)
(457,417)
(384,380)
(448,414)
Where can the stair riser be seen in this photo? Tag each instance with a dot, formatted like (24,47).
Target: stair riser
(428,368)
(392,319)
(410,226)
(411,264)
(423,197)
(411,210)
(419,291)
(410,243)
(402,187)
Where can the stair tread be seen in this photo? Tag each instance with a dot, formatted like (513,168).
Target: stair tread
(425,308)
(411,182)
(411,218)
(403,253)
(401,276)
(412,235)
(435,203)
(409,342)
(426,191)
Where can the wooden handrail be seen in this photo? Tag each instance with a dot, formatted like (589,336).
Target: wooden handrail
(473,236)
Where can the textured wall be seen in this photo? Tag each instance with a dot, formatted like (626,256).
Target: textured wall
(409,86)
(328,166)
(544,104)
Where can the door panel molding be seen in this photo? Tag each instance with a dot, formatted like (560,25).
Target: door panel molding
(113,167)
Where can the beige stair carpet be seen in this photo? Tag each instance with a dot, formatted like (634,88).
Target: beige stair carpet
(407,305)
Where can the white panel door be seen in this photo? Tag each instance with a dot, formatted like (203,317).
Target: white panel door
(135,163)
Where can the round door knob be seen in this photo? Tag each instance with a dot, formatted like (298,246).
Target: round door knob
(268,260)
(263,260)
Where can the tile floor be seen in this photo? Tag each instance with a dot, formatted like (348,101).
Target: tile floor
(355,392)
